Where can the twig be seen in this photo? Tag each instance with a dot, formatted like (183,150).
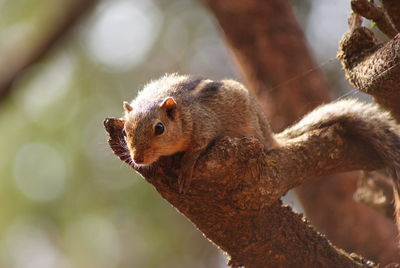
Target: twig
(370,11)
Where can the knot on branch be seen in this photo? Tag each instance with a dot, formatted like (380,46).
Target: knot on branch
(356,45)
(370,66)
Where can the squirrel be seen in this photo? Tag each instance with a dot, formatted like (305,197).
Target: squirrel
(179,113)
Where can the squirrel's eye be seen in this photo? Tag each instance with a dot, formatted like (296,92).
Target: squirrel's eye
(124,132)
(159,129)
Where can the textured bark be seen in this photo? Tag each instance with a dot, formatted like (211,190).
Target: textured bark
(234,196)
(372,66)
(19,62)
(271,50)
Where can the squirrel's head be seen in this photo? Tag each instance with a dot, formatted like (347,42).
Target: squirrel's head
(153,130)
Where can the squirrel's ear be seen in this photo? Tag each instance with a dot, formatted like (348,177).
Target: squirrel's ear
(127,107)
(169,105)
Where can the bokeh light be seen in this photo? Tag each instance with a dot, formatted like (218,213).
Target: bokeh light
(122,32)
(49,86)
(39,171)
(326,16)
(96,234)
(30,246)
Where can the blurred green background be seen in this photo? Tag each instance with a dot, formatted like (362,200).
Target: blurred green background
(65,199)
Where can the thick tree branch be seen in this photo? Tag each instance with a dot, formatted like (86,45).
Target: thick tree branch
(18,62)
(234,196)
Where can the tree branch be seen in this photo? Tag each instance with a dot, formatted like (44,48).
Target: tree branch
(234,195)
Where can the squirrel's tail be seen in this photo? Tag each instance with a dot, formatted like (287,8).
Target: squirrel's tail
(364,121)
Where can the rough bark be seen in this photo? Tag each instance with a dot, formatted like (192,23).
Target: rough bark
(15,66)
(234,196)
(372,66)
(270,48)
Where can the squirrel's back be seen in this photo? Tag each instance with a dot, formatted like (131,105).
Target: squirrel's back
(193,90)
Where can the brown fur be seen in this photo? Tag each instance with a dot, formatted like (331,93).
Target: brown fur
(205,110)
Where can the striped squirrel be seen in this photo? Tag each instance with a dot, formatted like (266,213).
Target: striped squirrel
(186,113)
